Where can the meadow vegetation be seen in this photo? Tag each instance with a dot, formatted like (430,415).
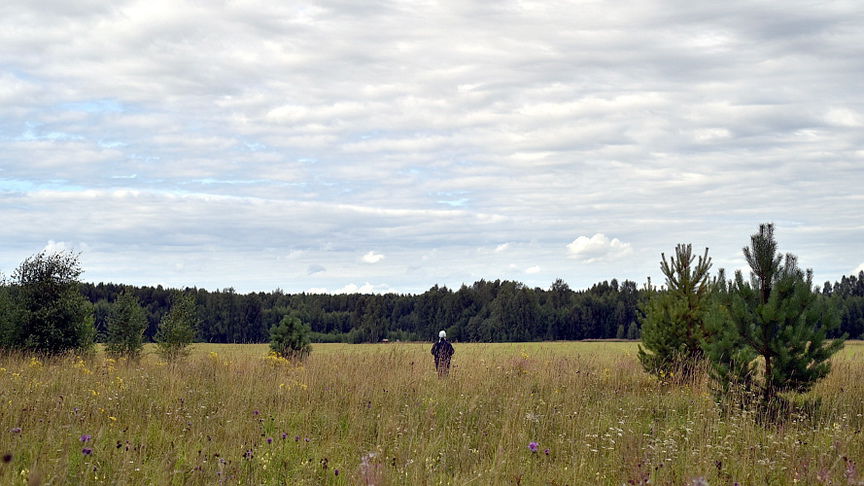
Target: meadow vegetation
(550,413)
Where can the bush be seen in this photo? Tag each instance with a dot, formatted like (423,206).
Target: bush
(290,338)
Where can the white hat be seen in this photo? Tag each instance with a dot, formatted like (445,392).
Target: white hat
(442,334)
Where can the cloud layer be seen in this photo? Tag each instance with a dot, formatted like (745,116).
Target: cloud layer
(258,146)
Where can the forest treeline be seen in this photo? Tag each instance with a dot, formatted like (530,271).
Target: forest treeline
(485,311)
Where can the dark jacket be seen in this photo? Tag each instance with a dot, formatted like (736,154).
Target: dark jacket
(442,351)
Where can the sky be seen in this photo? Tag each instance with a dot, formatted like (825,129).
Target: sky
(390,146)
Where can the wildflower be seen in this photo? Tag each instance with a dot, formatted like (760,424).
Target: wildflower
(255,412)
(306,439)
(336,472)
(15,430)
(86,437)
(248,454)
(533,446)
(296,438)
(546,451)
(8,458)
(284,436)
(269,440)
(86,451)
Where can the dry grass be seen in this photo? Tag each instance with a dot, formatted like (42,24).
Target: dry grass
(378,414)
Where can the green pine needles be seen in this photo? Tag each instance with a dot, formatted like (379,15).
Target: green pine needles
(177,329)
(290,339)
(127,322)
(673,325)
(770,332)
(761,337)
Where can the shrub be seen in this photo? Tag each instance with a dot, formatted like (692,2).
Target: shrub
(290,338)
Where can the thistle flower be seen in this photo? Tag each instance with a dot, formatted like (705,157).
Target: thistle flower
(86,451)
(86,437)
(533,446)
(269,440)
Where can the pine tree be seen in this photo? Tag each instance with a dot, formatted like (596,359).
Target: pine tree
(127,322)
(673,325)
(177,329)
(776,316)
(290,338)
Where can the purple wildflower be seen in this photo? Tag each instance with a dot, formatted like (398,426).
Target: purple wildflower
(533,446)
(86,451)
(336,472)
(248,454)
(255,412)
(269,440)
(296,438)
(306,439)
(547,451)
(284,436)
(15,430)
(86,437)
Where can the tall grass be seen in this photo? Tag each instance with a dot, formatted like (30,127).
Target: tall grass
(378,414)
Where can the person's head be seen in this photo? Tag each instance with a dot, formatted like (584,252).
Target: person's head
(442,335)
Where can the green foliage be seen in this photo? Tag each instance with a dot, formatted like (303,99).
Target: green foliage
(7,328)
(126,325)
(673,327)
(290,338)
(177,329)
(50,314)
(776,317)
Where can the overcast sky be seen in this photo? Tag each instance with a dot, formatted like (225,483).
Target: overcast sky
(390,146)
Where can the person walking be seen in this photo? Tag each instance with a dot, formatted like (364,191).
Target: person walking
(442,351)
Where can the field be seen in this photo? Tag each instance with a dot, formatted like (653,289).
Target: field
(378,414)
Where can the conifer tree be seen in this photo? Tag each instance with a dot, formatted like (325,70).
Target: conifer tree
(290,338)
(127,322)
(177,329)
(776,316)
(673,325)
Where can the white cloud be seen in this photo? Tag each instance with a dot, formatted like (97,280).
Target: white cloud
(372,257)
(859,268)
(532,270)
(55,247)
(502,247)
(352,288)
(597,248)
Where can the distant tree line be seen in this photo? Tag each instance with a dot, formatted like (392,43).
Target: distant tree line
(485,311)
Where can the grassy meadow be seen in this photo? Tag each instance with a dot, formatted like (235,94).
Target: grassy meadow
(378,414)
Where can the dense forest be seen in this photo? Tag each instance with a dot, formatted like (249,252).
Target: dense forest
(484,311)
